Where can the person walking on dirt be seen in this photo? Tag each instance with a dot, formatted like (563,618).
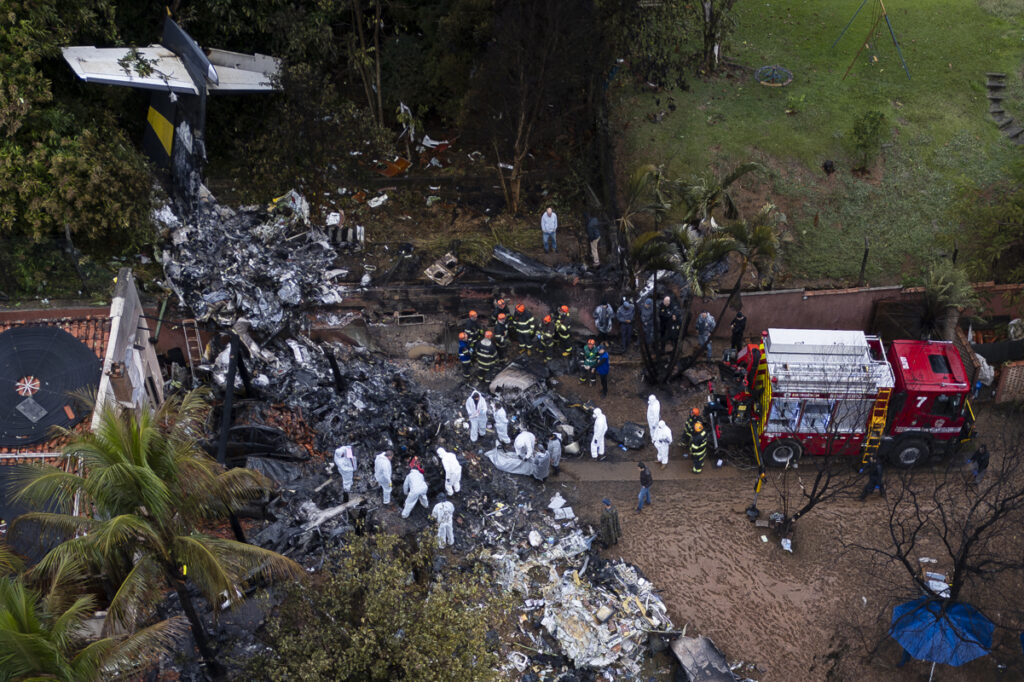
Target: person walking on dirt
(653,415)
(670,318)
(875,478)
(705,325)
(476,412)
(600,429)
(602,369)
(555,452)
(501,423)
(611,531)
(645,487)
(662,441)
(699,447)
(980,461)
(738,326)
(690,423)
(624,315)
(604,317)
(548,228)
(382,474)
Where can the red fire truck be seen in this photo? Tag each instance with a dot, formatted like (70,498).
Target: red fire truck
(823,392)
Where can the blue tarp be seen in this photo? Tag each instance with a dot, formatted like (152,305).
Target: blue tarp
(943,632)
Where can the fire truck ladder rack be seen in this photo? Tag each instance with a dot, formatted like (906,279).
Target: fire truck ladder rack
(876,427)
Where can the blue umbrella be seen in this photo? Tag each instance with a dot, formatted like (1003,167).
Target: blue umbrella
(942,632)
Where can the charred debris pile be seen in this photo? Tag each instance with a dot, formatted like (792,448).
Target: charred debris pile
(257,273)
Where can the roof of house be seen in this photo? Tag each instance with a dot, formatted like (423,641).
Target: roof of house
(91,330)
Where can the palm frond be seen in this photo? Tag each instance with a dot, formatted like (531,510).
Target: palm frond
(134,599)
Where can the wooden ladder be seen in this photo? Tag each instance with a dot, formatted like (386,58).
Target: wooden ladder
(193,344)
(876,427)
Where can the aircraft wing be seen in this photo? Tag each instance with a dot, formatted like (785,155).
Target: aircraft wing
(100,65)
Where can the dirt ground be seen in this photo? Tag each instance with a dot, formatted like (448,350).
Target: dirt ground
(820,613)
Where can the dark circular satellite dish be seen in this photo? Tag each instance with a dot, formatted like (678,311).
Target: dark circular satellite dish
(39,367)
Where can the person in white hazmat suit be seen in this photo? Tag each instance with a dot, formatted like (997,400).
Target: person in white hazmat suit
(382,473)
(415,489)
(600,428)
(501,424)
(345,461)
(524,444)
(444,512)
(452,471)
(476,410)
(653,415)
(662,441)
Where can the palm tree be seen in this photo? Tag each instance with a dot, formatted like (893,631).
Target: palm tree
(9,562)
(706,192)
(148,486)
(947,292)
(43,635)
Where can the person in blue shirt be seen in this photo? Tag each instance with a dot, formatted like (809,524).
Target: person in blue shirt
(602,369)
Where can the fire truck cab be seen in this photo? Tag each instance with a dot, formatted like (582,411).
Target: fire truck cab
(825,392)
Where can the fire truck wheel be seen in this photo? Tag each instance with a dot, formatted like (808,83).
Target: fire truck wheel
(910,451)
(780,452)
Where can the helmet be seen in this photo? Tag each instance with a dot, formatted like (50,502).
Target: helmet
(547,318)
(501,303)
(698,427)
(462,336)
(563,309)
(590,342)
(501,317)
(472,314)
(694,411)
(520,308)
(488,334)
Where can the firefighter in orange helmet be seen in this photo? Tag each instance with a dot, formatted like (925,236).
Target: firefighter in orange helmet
(546,337)
(465,354)
(523,325)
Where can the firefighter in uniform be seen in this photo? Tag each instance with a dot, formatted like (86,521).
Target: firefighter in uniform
(690,423)
(589,363)
(500,308)
(522,324)
(562,331)
(486,355)
(699,447)
(546,337)
(473,329)
(465,354)
(501,333)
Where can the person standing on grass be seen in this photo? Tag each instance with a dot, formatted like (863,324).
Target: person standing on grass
(645,487)
(548,228)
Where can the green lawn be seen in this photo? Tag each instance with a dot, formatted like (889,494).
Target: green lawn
(941,133)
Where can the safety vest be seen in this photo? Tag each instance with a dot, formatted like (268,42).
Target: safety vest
(465,352)
(486,354)
(523,324)
(589,357)
(699,445)
(500,333)
(562,327)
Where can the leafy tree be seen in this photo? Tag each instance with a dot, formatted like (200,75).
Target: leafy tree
(716,21)
(306,140)
(866,137)
(149,486)
(655,39)
(992,219)
(42,634)
(947,291)
(705,193)
(382,613)
(64,165)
